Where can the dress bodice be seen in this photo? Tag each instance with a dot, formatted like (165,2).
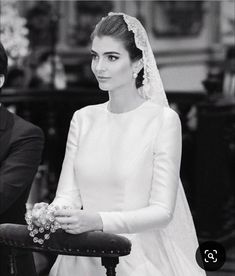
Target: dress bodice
(114,159)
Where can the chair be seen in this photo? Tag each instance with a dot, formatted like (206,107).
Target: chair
(109,247)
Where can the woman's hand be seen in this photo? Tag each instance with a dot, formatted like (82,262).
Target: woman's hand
(76,221)
(42,214)
(39,213)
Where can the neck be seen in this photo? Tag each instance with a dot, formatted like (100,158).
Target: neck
(124,99)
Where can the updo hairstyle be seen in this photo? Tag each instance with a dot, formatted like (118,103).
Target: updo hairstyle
(116,27)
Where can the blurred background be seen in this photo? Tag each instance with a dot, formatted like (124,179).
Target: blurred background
(48,44)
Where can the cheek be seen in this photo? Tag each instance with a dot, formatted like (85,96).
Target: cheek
(123,70)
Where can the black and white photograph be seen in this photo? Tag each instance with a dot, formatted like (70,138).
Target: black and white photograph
(117,138)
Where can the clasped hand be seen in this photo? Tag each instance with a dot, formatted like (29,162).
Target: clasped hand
(76,221)
(71,220)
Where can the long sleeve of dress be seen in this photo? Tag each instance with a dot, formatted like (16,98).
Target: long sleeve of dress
(68,193)
(166,167)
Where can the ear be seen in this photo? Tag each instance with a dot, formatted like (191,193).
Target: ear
(138,65)
(2,79)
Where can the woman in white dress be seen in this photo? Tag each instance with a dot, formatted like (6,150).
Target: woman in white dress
(122,163)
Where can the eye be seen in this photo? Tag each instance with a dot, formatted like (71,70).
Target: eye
(94,56)
(112,58)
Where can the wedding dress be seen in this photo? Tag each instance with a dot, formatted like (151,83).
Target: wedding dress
(126,167)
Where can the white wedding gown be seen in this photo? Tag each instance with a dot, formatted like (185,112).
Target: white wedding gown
(126,167)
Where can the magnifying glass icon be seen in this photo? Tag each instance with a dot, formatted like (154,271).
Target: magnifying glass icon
(210,256)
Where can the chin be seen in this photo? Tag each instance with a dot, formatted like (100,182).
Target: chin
(103,87)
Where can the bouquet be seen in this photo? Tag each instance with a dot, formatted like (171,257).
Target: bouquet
(41,221)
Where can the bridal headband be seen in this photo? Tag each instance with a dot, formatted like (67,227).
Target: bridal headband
(152,84)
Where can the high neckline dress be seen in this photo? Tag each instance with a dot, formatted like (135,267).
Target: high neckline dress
(126,167)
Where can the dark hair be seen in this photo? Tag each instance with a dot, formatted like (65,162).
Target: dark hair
(116,27)
(3,61)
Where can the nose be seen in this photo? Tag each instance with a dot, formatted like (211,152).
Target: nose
(100,65)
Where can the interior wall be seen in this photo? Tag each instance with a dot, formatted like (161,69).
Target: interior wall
(183,61)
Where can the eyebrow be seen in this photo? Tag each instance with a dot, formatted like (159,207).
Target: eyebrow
(106,53)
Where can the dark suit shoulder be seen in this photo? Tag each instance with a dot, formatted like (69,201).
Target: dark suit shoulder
(17,125)
(22,126)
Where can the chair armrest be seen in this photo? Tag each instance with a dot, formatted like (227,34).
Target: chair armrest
(92,244)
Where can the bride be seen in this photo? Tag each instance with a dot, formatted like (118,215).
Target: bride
(122,163)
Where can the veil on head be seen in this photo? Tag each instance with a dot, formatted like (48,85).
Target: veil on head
(152,84)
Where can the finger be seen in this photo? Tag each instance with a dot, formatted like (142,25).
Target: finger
(63,213)
(65,226)
(68,227)
(72,231)
(65,220)
(40,205)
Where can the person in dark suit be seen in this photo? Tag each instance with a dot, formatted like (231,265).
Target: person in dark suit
(21,145)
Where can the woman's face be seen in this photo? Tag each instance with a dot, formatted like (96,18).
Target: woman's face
(111,63)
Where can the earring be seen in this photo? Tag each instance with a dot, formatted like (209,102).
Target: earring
(135,75)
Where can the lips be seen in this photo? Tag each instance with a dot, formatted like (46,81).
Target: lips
(101,78)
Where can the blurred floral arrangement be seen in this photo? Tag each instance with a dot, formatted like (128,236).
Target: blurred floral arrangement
(13,32)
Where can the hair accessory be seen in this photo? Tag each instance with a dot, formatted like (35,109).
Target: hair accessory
(152,84)
(135,75)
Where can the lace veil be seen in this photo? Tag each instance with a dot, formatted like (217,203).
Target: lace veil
(152,84)
(181,229)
